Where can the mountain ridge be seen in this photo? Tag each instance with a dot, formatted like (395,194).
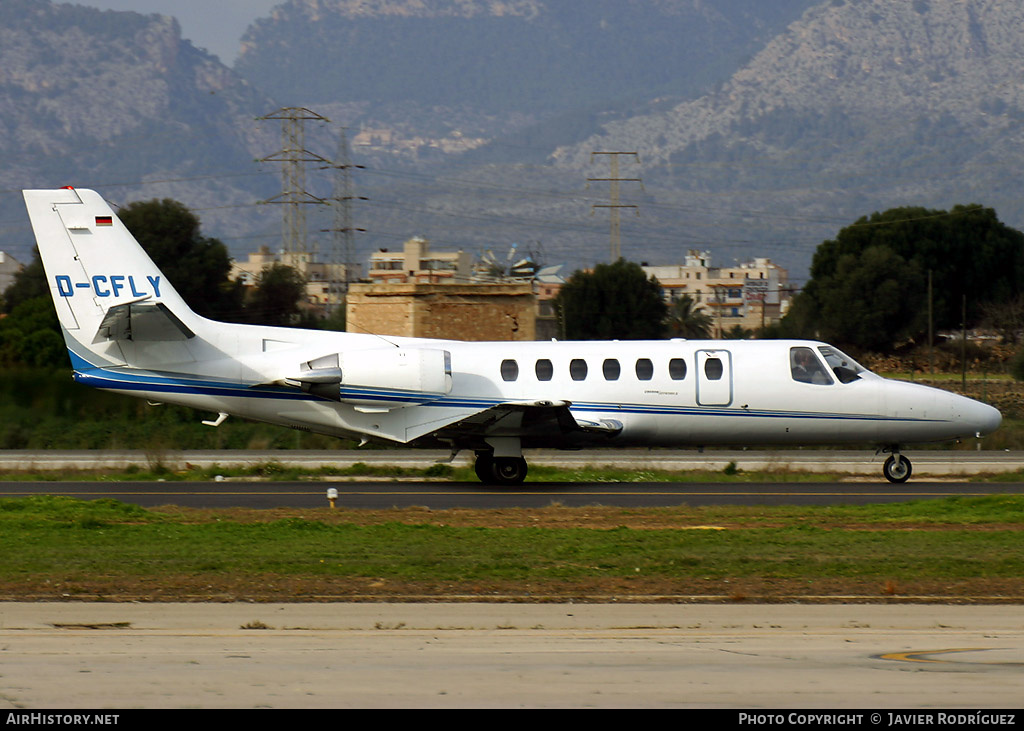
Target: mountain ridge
(857,107)
(108,98)
(815,115)
(821,47)
(498,56)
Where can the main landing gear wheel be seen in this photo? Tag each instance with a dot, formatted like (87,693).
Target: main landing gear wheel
(483,466)
(897,468)
(509,470)
(500,470)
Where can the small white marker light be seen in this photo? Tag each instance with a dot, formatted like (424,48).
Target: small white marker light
(332,496)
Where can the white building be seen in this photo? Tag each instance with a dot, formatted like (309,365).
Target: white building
(325,283)
(417,263)
(751,294)
(9,266)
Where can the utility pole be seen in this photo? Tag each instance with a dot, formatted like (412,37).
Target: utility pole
(718,310)
(963,344)
(931,329)
(614,206)
(294,195)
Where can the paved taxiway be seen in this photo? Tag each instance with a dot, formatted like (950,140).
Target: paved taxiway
(86,655)
(927,463)
(937,474)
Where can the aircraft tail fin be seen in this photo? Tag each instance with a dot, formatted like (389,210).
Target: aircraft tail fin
(108,293)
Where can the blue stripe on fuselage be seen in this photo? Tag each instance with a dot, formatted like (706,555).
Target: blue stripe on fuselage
(103,378)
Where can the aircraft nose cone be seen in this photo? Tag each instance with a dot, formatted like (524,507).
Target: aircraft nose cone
(980,418)
(987,419)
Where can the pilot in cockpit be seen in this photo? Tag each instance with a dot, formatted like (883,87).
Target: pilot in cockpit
(806,368)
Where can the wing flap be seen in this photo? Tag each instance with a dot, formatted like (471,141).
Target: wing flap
(527,420)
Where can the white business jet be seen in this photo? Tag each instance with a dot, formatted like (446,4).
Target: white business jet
(129,331)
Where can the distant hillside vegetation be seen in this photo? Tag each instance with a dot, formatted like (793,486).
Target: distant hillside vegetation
(90,97)
(527,56)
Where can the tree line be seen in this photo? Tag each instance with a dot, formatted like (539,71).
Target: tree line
(884,282)
(873,286)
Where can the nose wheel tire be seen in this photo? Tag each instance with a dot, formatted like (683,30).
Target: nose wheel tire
(897,469)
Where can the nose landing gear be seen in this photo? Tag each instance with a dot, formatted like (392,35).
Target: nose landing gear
(897,468)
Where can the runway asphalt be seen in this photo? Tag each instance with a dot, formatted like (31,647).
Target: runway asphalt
(383,493)
(927,463)
(936,474)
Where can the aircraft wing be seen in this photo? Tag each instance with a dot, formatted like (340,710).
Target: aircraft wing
(527,420)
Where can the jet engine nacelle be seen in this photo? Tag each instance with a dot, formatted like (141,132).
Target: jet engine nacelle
(389,378)
(379,379)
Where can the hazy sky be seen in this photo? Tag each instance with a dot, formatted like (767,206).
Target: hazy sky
(216,25)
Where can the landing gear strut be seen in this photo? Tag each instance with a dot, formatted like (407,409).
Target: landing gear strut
(500,470)
(897,468)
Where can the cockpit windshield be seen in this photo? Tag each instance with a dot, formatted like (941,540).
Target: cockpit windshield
(845,367)
(806,367)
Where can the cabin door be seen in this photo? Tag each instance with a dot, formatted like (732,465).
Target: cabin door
(714,377)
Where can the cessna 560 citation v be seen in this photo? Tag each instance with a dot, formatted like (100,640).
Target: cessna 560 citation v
(129,331)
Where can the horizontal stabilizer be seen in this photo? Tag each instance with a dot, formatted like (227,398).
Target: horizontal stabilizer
(142,322)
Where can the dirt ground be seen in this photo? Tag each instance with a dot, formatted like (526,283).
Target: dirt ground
(286,589)
(274,588)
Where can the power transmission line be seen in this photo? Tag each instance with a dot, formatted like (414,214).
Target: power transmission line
(294,195)
(343,241)
(614,206)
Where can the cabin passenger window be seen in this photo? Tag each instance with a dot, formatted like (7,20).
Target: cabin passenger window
(509,370)
(611,369)
(806,368)
(677,369)
(578,369)
(644,369)
(713,369)
(544,369)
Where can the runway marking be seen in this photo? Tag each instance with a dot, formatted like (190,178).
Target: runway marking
(924,656)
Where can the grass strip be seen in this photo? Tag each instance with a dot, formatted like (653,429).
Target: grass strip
(50,541)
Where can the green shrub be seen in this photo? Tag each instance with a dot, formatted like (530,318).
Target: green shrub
(1017,365)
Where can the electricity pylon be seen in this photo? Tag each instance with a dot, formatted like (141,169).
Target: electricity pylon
(343,250)
(294,195)
(614,206)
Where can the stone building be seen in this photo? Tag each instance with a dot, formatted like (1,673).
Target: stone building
(456,311)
